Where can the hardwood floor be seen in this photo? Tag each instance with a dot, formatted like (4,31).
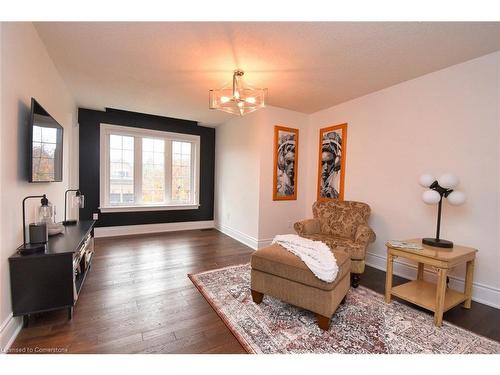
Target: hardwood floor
(480,319)
(138,299)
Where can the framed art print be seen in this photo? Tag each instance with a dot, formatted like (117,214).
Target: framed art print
(286,156)
(331,163)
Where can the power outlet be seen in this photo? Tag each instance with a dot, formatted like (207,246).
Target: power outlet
(289,225)
(95,216)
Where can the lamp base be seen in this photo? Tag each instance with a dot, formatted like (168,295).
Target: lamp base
(31,248)
(437,242)
(69,222)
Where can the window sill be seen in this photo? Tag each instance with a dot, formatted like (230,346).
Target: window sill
(139,208)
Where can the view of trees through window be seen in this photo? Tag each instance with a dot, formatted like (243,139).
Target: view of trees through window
(149,170)
(181,171)
(153,170)
(121,157)
(44,148)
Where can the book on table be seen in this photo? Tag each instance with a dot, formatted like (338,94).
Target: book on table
(405,245)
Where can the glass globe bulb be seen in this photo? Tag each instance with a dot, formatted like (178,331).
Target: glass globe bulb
(78,201)
(448,181)
(456,198)
(426,180)
(431,196)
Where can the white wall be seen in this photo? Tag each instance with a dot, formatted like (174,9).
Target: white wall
(243,190)
(74,167)
(26,71)
(277,217)
(236,209)
(446,121)
(2,271)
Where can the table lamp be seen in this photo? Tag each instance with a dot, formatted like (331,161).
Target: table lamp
(78,201)
(28,248)
(436,191)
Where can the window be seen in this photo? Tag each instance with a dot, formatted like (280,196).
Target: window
(181,171)
(121,169)
(153,170)
(148,169)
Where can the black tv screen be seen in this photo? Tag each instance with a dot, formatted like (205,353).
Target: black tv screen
(46,146)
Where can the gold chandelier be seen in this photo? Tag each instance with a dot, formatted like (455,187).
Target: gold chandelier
(237,98)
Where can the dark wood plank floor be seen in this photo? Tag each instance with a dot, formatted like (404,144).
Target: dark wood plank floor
(138,299)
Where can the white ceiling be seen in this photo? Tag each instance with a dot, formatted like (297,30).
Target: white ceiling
(168,68)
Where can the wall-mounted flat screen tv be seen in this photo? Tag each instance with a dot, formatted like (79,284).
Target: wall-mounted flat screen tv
(46,146)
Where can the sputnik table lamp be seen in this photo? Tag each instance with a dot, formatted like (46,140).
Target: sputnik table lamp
(437,190)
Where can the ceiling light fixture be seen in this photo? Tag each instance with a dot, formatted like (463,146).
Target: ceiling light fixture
(237,98)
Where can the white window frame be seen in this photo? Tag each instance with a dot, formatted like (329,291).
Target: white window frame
(138,133)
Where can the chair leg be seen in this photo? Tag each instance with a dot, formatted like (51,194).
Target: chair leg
(257,296)
(323,322)
(355,277)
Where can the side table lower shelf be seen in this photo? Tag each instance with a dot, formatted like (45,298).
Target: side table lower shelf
(423,294)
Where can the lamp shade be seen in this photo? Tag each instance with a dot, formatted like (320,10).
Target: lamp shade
(448,181)
(431,196)
(426,180)
(456,198)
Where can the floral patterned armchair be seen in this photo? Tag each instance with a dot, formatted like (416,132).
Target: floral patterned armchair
(341,225)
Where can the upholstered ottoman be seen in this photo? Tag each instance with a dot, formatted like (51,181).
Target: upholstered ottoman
(281,274)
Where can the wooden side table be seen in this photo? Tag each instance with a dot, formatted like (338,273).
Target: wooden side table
(434,297)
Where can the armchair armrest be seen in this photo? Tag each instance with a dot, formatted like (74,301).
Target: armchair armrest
(364,234)
(309,226)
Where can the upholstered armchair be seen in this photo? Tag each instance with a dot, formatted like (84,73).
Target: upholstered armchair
(341,225)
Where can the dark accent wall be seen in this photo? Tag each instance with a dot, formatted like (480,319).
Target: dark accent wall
(89,122)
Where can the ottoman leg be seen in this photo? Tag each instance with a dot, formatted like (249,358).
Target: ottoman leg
(323,322)
(257,296)
(355,279)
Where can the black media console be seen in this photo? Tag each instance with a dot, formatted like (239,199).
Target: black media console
(52,279)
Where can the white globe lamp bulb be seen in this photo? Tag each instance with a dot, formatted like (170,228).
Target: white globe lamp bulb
(426,180)
(448,181)
(431,197)
(456,198)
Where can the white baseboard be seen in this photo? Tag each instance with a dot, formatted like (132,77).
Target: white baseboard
(151,228)
(481,293)
(245,239)
(9,330)
(238,235)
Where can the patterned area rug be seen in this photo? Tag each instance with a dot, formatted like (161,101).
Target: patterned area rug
(364,324)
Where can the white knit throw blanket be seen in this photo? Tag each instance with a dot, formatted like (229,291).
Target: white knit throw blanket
(315,254)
